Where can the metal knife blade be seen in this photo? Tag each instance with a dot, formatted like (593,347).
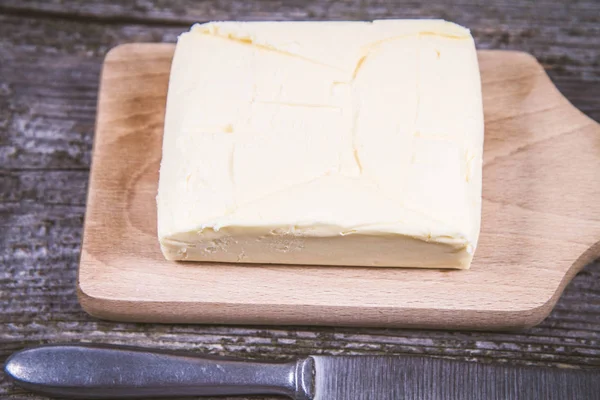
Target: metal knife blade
(117,372)
(424,378)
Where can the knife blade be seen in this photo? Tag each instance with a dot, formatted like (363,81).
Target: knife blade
(386,377)
(117,372)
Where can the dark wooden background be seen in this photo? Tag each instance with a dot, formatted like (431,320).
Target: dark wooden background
(50,58)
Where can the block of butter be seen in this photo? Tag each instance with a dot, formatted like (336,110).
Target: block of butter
(328,143)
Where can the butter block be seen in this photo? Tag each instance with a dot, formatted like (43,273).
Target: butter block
(328,143)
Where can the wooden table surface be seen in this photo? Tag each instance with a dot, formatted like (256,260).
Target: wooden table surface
(50,58)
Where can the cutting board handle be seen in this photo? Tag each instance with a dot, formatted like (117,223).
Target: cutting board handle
(541,175)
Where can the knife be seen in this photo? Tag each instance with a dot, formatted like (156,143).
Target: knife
(117,372)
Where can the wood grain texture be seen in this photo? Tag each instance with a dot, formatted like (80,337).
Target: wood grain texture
(51,54)
(540,220)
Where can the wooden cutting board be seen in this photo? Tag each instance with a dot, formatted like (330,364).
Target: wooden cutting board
(541,220)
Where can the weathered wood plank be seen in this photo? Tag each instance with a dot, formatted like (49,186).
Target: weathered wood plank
(190,10)
(48,88)
(545,26)
(51,53)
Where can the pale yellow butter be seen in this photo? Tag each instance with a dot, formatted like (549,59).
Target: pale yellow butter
(330,143)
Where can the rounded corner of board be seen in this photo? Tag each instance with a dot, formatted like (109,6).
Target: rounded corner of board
(534,316)
(85,300)
(91,303)
(118,51)
(129,51)
(525,56)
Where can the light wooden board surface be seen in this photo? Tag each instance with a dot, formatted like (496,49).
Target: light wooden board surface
(541,220)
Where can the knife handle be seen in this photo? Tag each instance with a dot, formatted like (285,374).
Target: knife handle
(116,372)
